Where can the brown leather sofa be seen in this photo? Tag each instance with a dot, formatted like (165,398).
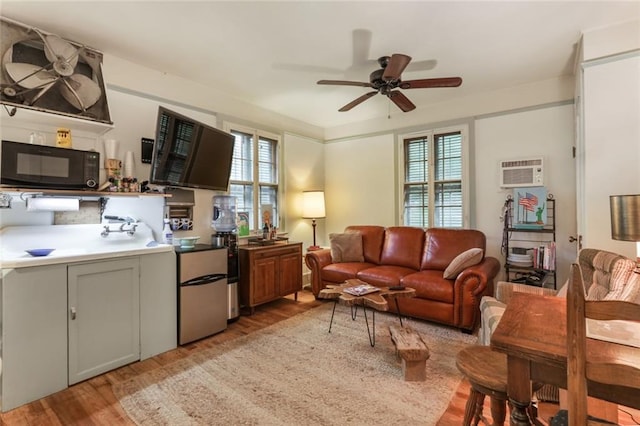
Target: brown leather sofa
(416,258)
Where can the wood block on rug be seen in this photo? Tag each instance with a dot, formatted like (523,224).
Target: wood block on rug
(413,351)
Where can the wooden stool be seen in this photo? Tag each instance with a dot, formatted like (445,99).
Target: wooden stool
(486,371)
(413,351)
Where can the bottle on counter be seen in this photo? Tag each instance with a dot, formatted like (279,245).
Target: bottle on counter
(265,231)
(167,233)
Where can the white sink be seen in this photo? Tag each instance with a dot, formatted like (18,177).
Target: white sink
(73,243)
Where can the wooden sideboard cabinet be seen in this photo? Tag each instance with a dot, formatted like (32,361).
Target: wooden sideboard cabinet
(269,272)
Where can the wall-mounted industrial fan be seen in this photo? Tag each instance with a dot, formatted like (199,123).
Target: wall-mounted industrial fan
(387,79)
(45,72)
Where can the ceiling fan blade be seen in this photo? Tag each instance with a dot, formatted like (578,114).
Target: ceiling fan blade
(396,65)
(80,91)
(356,102)
(401,101)
(29,76)
(345,83)
(426,83)
(425,65)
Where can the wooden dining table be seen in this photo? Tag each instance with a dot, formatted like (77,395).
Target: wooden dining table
(533,334)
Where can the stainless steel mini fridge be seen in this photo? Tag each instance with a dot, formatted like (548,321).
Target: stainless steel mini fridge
(202,292)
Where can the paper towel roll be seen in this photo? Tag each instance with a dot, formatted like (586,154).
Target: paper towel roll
(129,165)
(53,204)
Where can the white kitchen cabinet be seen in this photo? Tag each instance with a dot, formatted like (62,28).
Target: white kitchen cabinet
(104,316)
(158,304)
(34,333)
(125,310)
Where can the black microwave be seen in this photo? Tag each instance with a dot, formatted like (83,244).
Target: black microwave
(37,166)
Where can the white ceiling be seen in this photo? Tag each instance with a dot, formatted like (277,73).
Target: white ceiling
(271,53)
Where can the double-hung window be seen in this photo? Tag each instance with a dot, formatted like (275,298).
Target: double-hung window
(254,174)
(434,178)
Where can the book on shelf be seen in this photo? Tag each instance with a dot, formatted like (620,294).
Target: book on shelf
(361,289)
(544,256)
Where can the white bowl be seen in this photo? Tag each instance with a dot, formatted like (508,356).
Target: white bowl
(188,242)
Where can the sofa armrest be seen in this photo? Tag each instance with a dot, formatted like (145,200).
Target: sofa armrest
(491,311)
(484,272)
(504,290)
(315,261)
(470,285)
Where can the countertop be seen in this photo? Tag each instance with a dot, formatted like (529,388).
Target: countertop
(73,243)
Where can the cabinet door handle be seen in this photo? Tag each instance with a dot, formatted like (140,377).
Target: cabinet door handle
(73,313)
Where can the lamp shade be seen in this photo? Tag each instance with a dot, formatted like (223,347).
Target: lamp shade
(313,204)
(625,217)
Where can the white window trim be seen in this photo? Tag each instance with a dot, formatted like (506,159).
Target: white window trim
(464,132)
(228,126)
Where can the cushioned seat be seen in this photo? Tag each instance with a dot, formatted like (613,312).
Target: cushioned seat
(607,276)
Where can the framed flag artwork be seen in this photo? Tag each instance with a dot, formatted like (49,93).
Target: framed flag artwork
(530,207)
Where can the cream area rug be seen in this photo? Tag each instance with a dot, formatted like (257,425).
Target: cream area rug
(296,373)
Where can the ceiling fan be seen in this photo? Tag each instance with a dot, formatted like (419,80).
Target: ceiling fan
(386,79)
(47,67)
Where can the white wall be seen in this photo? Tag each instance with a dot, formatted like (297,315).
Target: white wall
(303,170)
(612,145)
(360,182)
(546,132)
(609,139)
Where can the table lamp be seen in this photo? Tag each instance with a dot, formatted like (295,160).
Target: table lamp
(625,221)
(313,208)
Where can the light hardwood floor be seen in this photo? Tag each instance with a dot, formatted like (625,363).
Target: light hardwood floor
(92,402)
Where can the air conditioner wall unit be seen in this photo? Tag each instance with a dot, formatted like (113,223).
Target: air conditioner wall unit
(522,172)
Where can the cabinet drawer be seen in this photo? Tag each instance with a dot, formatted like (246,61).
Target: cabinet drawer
(275,252)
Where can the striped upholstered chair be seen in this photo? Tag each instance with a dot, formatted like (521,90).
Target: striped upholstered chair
(607,276)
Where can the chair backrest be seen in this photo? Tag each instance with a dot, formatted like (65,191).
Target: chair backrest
(579,368)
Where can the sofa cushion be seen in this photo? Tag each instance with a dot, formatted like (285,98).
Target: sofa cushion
(597,267)
(340,272)
(372,238)
(430,285)
(384,275)
(608,276)
(403,246)
(625,285)
(467,258)
(346,247)
(443,245)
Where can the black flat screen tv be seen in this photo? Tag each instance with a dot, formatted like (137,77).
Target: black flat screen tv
(188,153)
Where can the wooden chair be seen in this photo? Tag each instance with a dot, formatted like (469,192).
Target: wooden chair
(580,369)
(486,371)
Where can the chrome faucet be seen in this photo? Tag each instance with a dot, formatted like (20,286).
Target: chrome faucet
(125,222)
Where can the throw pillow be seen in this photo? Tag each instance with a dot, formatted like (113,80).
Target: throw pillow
(462,261)
(346,247)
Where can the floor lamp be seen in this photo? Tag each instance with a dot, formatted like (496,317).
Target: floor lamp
(625,221)
(313,208)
